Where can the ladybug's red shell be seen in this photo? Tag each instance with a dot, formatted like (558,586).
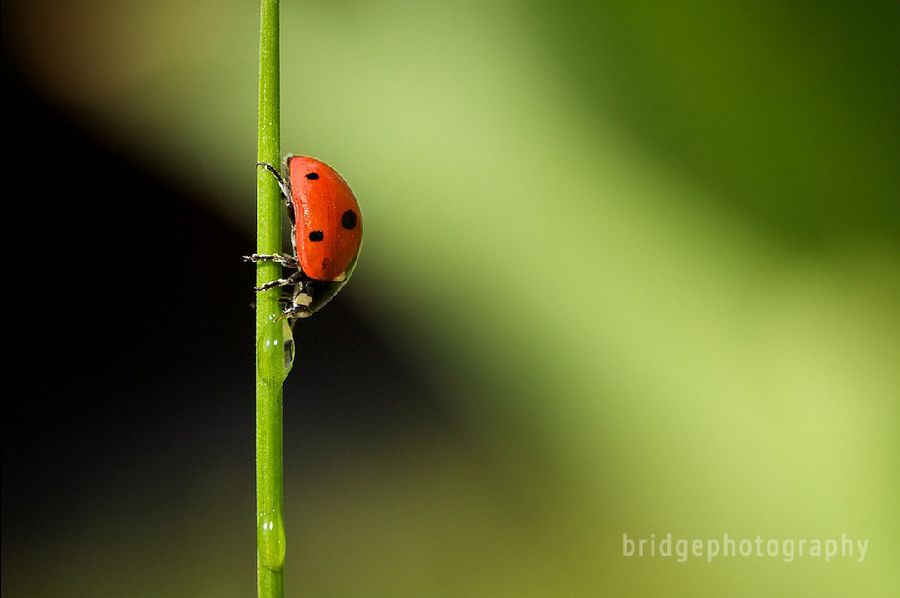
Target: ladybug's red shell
(328,223)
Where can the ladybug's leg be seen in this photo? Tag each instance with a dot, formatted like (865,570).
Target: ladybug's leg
(281,182)
(281,282)
(278,258)
(294,312)
(285,189)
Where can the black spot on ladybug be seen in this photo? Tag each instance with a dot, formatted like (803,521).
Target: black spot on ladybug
(348,220)
(312,176)
(316,236)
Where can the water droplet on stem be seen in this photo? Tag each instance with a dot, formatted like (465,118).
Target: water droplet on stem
(270,540)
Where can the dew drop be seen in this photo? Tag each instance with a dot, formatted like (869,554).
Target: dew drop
(270,539)
(287,343)
(279,341)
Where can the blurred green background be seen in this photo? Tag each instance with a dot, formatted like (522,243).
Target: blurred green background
(640,259)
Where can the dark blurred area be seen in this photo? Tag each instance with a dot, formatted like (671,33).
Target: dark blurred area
(137,361)
(788,108)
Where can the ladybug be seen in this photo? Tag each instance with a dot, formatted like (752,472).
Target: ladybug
(326,234)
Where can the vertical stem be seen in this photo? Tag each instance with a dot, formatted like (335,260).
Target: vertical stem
(269,349)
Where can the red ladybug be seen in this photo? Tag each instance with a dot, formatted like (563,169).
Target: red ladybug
(326,234)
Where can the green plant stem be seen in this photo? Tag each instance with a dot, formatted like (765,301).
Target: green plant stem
(269,341)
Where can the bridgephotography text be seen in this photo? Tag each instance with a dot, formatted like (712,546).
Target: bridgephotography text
(725,546)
